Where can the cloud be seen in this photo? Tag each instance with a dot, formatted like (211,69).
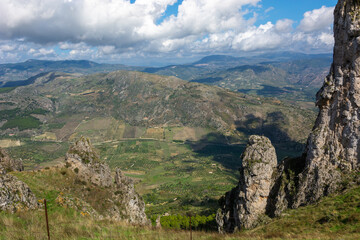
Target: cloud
(107,49)
(261,38)
(327,38)
(317,19)
(41,52)
(284,25)
(269,9)
(118,23)
(7,47)
(109,30)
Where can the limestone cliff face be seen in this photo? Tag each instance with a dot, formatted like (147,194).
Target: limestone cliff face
(245,204)
(14,194)
(123,202)
(333,147)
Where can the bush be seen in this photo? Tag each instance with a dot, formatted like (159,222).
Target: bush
(198,222)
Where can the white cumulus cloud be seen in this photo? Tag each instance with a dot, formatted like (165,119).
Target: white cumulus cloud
(317,19)
(284,25)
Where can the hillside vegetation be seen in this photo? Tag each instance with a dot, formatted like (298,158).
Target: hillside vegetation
(181,141)
(333,217)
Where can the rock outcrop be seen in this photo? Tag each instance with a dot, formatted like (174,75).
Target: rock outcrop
(133,205)
(85,162)
(333,147)
(245,204)
(332,152)
(9,164)
(14,194)
(122,201)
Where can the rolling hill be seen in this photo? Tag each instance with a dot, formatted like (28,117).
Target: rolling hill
(180,140)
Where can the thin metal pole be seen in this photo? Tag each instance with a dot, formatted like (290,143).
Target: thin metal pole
(47,220)
(190,229)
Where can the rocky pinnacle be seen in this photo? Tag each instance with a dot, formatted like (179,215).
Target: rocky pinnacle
(333,147)
(243,205)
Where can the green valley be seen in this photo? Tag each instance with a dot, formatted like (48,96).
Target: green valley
(180,141)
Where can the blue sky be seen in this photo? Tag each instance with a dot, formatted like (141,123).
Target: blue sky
(160,32)
(277,9)
(292,9)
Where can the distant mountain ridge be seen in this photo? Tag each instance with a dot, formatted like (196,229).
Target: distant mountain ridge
(282,74)
(11,72)
(286,75)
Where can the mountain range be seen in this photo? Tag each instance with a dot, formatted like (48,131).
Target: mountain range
(287,75)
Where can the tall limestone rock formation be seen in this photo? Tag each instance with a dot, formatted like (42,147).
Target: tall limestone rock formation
(243,205)
(333,148)
(122,201)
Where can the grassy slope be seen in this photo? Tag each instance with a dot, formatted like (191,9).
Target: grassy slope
(334,217)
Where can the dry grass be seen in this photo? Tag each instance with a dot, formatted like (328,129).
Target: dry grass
(67,224)
(335,217)
(6,143)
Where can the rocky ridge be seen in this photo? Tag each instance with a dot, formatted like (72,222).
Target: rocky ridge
(14,194)
(332,152)
(123,203)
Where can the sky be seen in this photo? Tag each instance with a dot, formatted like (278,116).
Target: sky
(161,32)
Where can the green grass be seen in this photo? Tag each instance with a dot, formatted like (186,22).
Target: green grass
(22,123)
(334,217)
(37,153)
